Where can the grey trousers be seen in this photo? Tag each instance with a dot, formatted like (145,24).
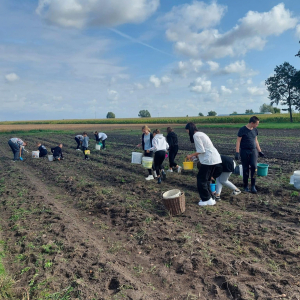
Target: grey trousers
(15,148)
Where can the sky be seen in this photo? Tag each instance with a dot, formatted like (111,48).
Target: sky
(79,59)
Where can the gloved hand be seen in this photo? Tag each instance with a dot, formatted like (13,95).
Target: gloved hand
(237,156)
(261,154)
(21,158)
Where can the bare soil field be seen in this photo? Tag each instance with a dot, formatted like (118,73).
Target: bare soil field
(96,229)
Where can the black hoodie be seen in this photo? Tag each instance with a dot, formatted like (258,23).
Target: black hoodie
(172,139)
(57,151)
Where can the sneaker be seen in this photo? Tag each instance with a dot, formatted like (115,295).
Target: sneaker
(208,202)
(170,170)
(217,198)
(87,158)
(246,189)
(154,173)
(159,180)
(164,175)
(179,169)
(235,193)
(150,177)
(253,190)
(78,150)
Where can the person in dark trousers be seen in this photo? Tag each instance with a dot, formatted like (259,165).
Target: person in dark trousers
(101,136)
(160,146)
(42,149)
(248,149)
(228,165)
(16,146)
(147,138)
(85,145)
(57,152)
(78,139)
(172,140)
(210,160)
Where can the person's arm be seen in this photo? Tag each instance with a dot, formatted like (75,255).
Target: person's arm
(257,145)
(154,143)
(189,157)
(20,153)
(237,147)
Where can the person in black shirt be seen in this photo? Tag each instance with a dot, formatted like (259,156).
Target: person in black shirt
(228,165)
(173,149)
(248,144)
(42,149)
(57,152)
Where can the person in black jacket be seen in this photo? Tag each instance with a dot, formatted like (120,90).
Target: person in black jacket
(57,152)
(228,165)
(42,149)
(173,149)
(147,138)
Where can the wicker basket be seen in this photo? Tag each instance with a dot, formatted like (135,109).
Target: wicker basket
(176,205)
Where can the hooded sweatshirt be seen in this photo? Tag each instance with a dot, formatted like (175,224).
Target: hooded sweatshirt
(159,143)
(172,139)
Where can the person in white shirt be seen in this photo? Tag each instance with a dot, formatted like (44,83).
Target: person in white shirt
(101,136)
(211,163)
(160,146)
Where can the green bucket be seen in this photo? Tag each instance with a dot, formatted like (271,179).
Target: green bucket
(262,169)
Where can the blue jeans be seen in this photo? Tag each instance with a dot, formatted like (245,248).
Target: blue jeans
(15,148)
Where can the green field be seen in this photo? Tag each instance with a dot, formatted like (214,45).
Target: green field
(274,118)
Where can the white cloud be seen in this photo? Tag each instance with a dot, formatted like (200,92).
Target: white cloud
(80,13)
(213,65)
(257,91)
(236,67)
(200,85)
(155,80)
(159,81)
(225,90)
(139,86)
(196,64)
(190,27)
(112,95)
(12,77)
(166,79)
(298,31)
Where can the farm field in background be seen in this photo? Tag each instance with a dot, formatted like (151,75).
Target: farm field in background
(96,229)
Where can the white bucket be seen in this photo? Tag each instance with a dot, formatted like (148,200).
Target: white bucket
(98,147)
(171,194)
(50,157)
(295,180)
(147,162)
(241,170)
(35,154)
(136,158)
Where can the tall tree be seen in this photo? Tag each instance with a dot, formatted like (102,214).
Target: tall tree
(211,113)
(283,89)
(144,114)
(110,115)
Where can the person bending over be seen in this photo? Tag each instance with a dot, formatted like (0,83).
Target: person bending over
(42,149)
(57,152)
(17,146)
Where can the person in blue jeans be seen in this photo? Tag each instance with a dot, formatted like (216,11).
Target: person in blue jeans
(248,149)
(16,146)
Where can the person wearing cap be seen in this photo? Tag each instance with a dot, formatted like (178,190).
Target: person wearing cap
(248,149)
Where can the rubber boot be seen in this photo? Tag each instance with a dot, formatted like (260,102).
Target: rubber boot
(253,189)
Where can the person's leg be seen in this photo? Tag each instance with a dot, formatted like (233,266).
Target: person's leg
(83,150)
(149,155)
(253,166)
(171,158)
(15,149)
(175,151)
(245,163)
(103,144)
(157,162)
(203,177)
(219,185)
(78,142)
(224,180)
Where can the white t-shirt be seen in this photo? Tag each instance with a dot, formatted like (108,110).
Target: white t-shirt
(209,155)
(102,136)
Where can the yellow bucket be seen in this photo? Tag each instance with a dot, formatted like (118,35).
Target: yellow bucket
(87,152)
(188,165)
(147,162)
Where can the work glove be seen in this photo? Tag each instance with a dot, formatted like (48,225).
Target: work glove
(261,154)
(21,158)
(237,156)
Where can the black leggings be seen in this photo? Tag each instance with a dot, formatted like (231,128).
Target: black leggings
(150,154)
(83,150)
(249,159)
(103,144)
(172,155)
(204,176)
(78,142)
(159,158)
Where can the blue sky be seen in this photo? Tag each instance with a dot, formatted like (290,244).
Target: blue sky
(83,58)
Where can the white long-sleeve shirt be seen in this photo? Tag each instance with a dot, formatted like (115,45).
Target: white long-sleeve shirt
(102,136)
(208,154)
(159,143)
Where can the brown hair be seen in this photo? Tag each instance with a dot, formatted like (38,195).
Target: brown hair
(84,133)
(169,129)
(146,127)
(156,131)
(38,143)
